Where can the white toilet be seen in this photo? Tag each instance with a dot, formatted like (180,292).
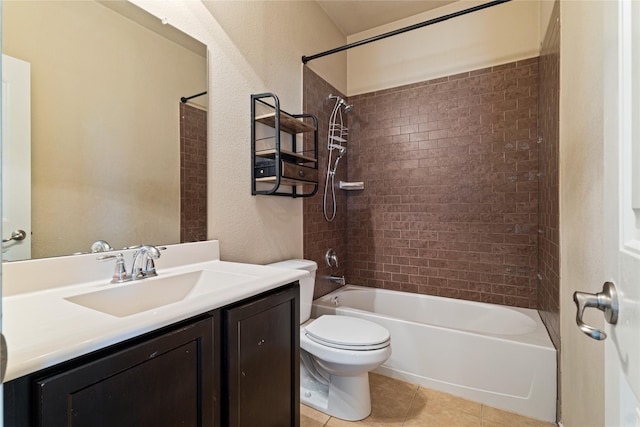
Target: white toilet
(336,355)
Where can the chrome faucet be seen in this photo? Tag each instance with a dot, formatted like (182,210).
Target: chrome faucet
(337,279)
(143,265)
(120,274)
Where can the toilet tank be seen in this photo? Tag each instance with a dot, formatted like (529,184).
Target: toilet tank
(306,284)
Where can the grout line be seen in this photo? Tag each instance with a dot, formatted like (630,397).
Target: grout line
(413,398)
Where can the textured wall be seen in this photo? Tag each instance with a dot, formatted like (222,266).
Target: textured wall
(254,47)
(504,33)
(319,234)
(193,174)
(582,230)
(450,169)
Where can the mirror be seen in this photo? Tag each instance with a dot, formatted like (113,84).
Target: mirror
(115,155)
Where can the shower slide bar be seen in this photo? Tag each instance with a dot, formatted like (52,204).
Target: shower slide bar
(306,59)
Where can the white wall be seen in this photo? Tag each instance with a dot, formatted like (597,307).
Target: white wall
(492,36)
(546,8)
(581,211)
(254,47)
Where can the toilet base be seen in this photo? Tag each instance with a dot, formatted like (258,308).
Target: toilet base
(346,397)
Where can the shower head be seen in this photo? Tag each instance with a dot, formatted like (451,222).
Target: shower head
(347,107)
(341,102)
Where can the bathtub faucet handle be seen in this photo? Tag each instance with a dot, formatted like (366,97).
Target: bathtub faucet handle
(331,258)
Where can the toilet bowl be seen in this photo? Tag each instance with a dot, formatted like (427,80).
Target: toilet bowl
(336,355)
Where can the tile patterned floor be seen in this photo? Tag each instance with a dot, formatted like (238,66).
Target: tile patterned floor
(399,404)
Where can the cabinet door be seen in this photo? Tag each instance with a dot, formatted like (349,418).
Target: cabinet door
(165,381)
(262,364)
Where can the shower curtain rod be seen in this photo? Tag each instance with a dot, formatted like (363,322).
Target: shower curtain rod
(306,59)
(185,99)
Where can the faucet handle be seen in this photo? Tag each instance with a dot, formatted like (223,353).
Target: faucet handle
(120,272)
(331,258)
(150,267)
(101,246)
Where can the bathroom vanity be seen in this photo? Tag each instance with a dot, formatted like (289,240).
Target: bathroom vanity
(224,355)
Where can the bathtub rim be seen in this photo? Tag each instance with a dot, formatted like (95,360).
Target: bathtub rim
(538,338)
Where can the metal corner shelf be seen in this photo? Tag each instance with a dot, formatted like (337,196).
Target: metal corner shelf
(296,170)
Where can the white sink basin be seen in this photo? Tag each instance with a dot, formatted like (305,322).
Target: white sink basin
(147,294)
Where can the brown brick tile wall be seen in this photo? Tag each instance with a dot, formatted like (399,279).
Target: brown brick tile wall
(318,234)
(549,248)
(450,205)
(193,174)
(549,244)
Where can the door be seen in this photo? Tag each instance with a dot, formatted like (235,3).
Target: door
(16,158)
(622,209)
(163,381)
(262,384)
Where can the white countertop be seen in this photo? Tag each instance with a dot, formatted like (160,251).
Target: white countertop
(43,329)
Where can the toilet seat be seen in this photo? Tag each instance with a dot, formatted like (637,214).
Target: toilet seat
(347,333)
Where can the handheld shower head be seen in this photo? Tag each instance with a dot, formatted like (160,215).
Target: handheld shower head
(340,102)
(347,107)
(336,137)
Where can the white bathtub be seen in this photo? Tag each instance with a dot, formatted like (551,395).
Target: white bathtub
(497,355)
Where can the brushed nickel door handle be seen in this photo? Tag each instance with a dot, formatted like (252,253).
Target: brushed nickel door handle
(16,235)
(605,301)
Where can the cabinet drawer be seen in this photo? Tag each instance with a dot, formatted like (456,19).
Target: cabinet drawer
(292,171)
(289,170)
(165,381)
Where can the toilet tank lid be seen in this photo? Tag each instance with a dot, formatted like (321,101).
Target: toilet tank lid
(296,264)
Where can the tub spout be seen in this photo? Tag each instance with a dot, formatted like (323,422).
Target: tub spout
(337,279)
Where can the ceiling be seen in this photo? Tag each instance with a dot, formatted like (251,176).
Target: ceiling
(354,16)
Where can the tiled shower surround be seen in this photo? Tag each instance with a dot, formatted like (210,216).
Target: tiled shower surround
(451,175)
(549,239)
(549,247)
(320,235)
(193,174)
(451,187)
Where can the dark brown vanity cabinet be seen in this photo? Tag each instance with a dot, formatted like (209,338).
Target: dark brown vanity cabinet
(164,380)
(261,370)
(235,366)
